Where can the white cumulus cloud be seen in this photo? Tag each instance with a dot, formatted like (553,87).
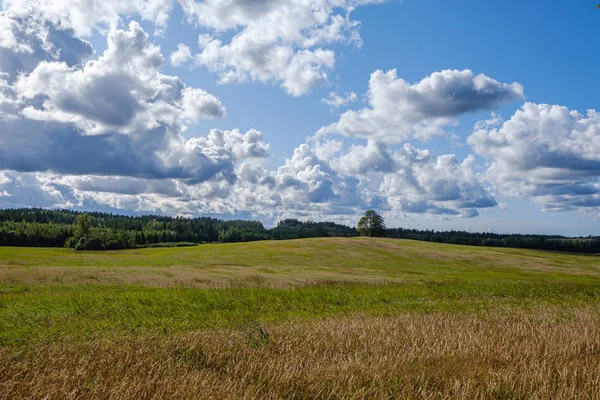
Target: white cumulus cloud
(335,101)
(83,16)
(545,152)
(399,110)
(181,56)
(278,41)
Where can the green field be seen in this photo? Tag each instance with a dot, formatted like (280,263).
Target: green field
(56,298)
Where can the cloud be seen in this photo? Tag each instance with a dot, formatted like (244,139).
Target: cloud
(335,101)
(305,179)
(297,72)
(436,185)
(220,173)
(25,41)
(401,180)
(28,190)
(83,16)
(545,152)
(399,110)
(115,132)
(181,56)
(123,91)
(284,42)
(321,180)
(411,180)
(118,115)
(279,41)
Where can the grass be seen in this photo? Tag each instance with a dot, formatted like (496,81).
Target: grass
(293,263)
(315,318)
(512,354)
(51,313)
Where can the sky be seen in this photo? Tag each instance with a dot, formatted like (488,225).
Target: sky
(441,115)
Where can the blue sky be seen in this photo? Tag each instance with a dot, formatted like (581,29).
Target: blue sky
(239,125)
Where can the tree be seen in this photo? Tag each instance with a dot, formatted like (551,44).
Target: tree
(83,223)
(371,224)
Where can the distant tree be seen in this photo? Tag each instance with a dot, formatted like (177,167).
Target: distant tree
(83,223)
(371,224)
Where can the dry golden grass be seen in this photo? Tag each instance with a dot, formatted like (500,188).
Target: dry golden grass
(509,353)
(221,276)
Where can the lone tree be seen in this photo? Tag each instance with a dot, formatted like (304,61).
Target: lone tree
(371,224)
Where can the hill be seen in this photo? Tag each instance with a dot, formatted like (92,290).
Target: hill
(294,262)
(311,318)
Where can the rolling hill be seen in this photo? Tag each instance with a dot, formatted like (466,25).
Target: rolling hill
(310,318)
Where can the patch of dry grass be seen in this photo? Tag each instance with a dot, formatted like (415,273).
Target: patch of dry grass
(218,276)
(509,353)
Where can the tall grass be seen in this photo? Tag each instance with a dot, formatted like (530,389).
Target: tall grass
(543,353)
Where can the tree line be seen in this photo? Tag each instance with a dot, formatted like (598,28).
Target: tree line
(589,244)
(104,231)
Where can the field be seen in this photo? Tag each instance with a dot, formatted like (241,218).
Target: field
(355,318)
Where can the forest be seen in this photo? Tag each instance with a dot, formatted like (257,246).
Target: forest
(103,231)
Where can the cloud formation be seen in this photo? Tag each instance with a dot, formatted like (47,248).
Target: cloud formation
(335,101)
(84,16)
(181,56)
(117,115)
(275,41)
(322,180)
(285,42)
(121,92)
(25,41)
(113,131)
(545,152)
(399,111)
(108,133)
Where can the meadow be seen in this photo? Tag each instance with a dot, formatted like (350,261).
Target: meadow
(355,318)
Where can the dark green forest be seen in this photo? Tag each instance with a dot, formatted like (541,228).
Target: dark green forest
(103,231)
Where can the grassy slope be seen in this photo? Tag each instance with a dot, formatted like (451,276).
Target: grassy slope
(49,294)
(293,262)
(404,320)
